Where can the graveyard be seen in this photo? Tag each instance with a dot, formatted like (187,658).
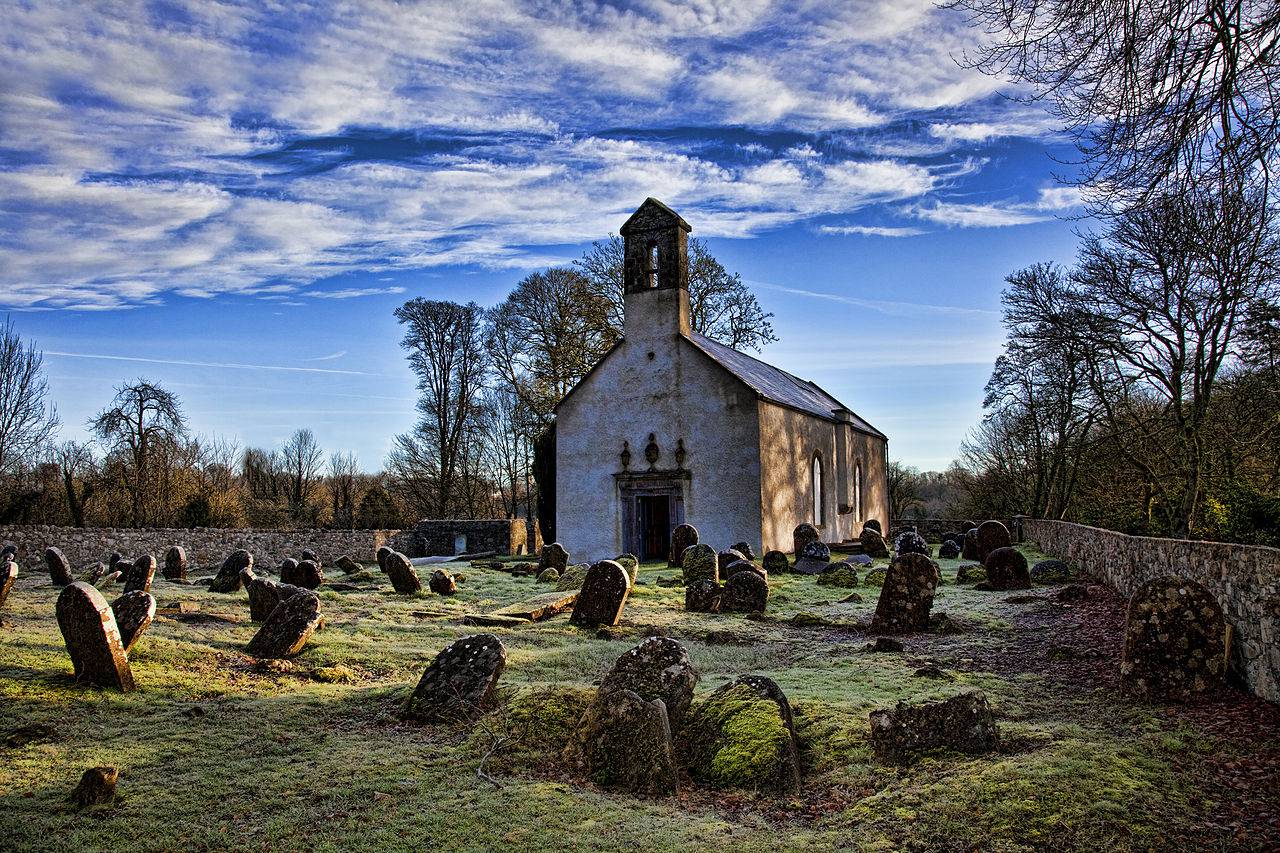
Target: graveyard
(230,740)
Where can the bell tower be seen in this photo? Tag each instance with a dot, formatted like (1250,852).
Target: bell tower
(656,272)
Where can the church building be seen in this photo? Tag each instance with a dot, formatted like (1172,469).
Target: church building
(673,427)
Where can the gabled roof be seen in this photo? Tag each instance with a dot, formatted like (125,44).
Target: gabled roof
(778,386)
(650,203)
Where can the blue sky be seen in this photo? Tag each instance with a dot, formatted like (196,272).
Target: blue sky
(231,201)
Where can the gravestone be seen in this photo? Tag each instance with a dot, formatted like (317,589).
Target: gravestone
(684,536)
(802,536)
(59,566)
(228,577)
(133,612)
(743,736)
(969,549)
(658,668)
(8,575)
(288,570)
(858,560)
(308,554)
(94,572)
(873,543)
(873,524)
(1052,572)
(265,594)
(906,596)
(138,576)
(1174,644)
(702,596)
(971,573)
(624,743)
(949,550)
(92,638)
(458,685)
(700,563)
(348,565)
(775,562)
(744,592)
(115,562)
(963,723)
(175,563)
(308,575)
(631,564)
(991,535)
(602,597)
(745,549)
(813,558)
(1007,569)
(403,578)
(727,557)
(966,526)
(287,629)
(910,542)
(9,551)
(97,787)
(442,583)
(742,566)
(383,553)
(553,556)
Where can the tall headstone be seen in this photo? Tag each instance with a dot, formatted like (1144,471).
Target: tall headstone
(459,683)
(8,575)
(287,629)
(1174,640)
(92,638)
(990,536)
(228,577)
(403,578)
(907,595)
(684,536)
(175,563)
(603,595)
(59,566)
(133,612)
(138,576)
(700,564)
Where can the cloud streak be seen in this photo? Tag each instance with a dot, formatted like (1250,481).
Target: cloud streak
(214,364)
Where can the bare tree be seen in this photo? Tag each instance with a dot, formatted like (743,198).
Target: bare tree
(343,471)
(79,478)
(301,460)
(903,489)
(142,418)
(28,419)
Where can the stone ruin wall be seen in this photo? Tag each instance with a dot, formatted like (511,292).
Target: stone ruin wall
(433,537)
(206,547)
(1244,579)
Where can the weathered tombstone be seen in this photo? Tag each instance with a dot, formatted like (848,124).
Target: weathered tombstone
(442,583)
(658,668)
(94,572)
(308,554)
(702,596)
(813,558)
(776,562)
(631,564)
(969,549)
(458,685)
(381,557)
(93,640)
(727,556)
(966,526)
(907,595)
(991,535)
(743,736)
(684,536)
(228,577)
(970,573)
(572,577)
(133,612)
(745,549)
(732,569)
(873,524)
(949,550)
(951,535)
(287,629)
(138,577)
(9,551)
(8,575)
(348,565)
(1174,640)
(624,743)
(872,542)
(115,561)
(97,787)
(175,563)
(309,575)
(1052,572)
(265,594)
(1007,569)
(910,542)
(59,567)
(553,556)
(403,578)
(841,574)
(744,592)
(962,723)
(802,536)
(858,559)
(700,563)
(288,570)
(603,595)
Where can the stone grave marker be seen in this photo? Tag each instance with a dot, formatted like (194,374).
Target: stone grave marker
(1007,569)
(228,577)
(553,556)
(603,595)
(265,594)
(745,549)
(59,566)
(744,592)
(458,685)
(403,578)
(702,596)
(442,583)
(813,558)
(872,542)
(802,536)
(776,562)
(8,575)
(684,536)
(906,596)
(383,553)
(1174,640)
(175,563)
(92,638)
(133,612)
(287,629)
(963,723)
(700,563)
(969,548)
(743,736)
(991,535)
(138,576)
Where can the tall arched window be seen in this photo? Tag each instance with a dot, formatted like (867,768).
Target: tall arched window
(817,490)
(857,492)
(653,265)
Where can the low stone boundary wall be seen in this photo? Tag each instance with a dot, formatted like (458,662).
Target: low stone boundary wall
(206,547)
(1244,579)
(438,537)
(933,528)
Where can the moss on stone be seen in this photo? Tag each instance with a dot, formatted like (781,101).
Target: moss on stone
(738,740)
(337,674)
(808,619)
(537,722)
(844,576)
(875,577)
(548,576)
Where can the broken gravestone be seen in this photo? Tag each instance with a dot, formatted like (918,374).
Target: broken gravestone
(702,596)
(288,628)
(743,736)
(744,592)
(138,576)
(603,595)
(265,594)
(403,578)
(990,536)
(553,556)
(458,685)
(133,612)
(8,575)
(906,596)
(92,638)
(1174,644)
(813,558)
(962,723)
(1006,569)
(228,577)
(59,567)
(700,563)
(175,563)
(684,536)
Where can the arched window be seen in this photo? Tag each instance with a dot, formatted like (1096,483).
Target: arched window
(857,492)
(653,265)
(817,491)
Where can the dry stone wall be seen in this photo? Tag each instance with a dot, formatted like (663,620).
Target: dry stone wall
(206,547)
(446,537)
(1244,579)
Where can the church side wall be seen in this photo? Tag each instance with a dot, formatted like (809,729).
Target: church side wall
(679,394)
(873,452)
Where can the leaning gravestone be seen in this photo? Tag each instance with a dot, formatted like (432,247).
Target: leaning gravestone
(228,577)
(458,685)
(813,558)
(175,563)
(59,567)
(743,736)
(603,595)
(138,577)
(745,549)
(728,557)
(309,575)
(962,723)
(969,549)
(1007,569)
(115,562)
(744,592)
(265,594)
(288,570)
(442,583)
(658,668)
(93,640)
(553,556)
(802,536)
(702,596)
(348,565)
(133,612)
(700,563)
(872,542)
(381,557)
(742,566)
(1174,644)
(684,536)
(624,743)
(991,535)
(403,578)
(907,595)
(288,628)
(775,562)
(8,574)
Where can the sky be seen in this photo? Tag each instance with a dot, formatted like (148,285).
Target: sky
(232,198)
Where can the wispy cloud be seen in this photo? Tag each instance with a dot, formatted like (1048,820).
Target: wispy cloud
(882,306)
(353,292)
(871,230)
(215,364)
(334,356)
(1051,202)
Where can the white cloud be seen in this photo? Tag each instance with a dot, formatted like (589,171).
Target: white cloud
(871,230)
(1050,202)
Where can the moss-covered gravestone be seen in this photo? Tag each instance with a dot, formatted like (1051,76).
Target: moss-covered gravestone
(553,556)
(684,536)
(458,685)
(702,596)
(631,564)
(443,583)
(700,563)
(745,592)
(907,595)
(949,550)
(403,578)
(910,542)
(990,536)
(59,566)
(625,744)
(228,577)
(572,577)
(1174,640)
(1007,569)
(93,640)
(813,558)
(138,576)
(840,575)
(286,631)
(348,565)
(969,549)
(175,563)
(962,723)
(658,668)
(8,575)
(602,597)
(742,736)
(872,542)
(1052,572)
(775,562)
(265,594)
(802,536)
(729,570)
(970,573)
(133,612)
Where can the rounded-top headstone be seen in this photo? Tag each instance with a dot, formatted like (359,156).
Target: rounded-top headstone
(683,537)
(873,524)
(969,548)
(743,736)
(702,596)
(949,550)
(308,554)
(442,583)
(1007,569)
(910,542)
(813,558)
(403,578)
(287,629)
(727,556)
(602,597)
(59,566)
(1174,640)
(553,556)
(700,563)
(265,594)
(138,577)
(992,535)
(658,668)
(309,575)
(133,612)
(381,556)
(907,595)
(872,543)
(966,526)
(801,536)
(458,685)
(776,562)
(92,638)
(745,549)
(175,563)
(228,577)
(733,568)
(745,592)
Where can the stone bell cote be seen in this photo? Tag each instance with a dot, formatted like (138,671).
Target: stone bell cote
(656,271)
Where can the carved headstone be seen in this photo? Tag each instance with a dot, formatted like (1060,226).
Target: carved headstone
(442,583)
(553,556)
(684,536)
(228,577)
(1007,569)
(8,575)
(265,594)
(962,723)
(93,640)
(743,736)
(288,628)
(700,563)
(59,566)
(138,577)
(133,612)
(458,685)
(403,578)
(1174,644)
(702,596)
(801,536)
(175,563)
(907,595)
(813,558)
(991,535)
(744,592)
(776,562)
(603,595)
(872,542)
(658,668)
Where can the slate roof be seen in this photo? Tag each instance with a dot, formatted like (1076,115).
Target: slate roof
(776,385)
